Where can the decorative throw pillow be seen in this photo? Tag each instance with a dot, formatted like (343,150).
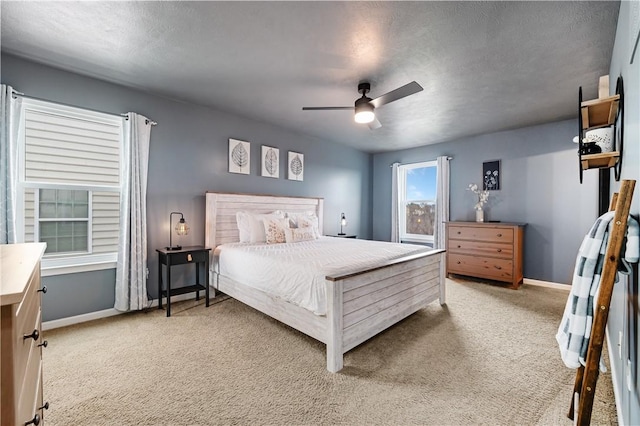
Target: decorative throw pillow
(274,229)
(304,220)
(250,225)
(294,235)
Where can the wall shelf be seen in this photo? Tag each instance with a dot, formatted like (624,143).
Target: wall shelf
(599,161)
(599,113)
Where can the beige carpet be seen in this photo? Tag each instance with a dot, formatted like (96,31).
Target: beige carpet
(488,357)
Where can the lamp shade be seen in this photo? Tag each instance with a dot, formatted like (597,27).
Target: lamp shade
(364,113)
(343,223)
(181,229)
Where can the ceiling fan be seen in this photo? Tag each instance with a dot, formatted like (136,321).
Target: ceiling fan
(365,106)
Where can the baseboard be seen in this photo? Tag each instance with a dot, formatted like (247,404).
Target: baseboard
(547,284)
(614,376)
(78,319)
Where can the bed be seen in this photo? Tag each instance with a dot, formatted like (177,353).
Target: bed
(360,301)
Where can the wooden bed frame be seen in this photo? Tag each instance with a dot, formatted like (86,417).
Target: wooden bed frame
(360,303)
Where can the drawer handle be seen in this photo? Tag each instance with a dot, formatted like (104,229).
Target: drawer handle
(43,289)
(45,406)
(498,267)
(458,262)
(35,421)
(499,250)
(458,232)
(33,335)
(44,345)
(499,235)
(458,245)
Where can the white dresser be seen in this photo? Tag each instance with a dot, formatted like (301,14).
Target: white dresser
(20,341)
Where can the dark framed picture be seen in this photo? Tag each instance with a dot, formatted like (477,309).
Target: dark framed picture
(491,175)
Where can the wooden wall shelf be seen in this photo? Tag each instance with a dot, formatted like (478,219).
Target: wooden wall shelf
(598,161)
(599,112)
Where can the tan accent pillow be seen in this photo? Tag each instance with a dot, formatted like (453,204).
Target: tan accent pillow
(274,230)
(294,235)
(304,220)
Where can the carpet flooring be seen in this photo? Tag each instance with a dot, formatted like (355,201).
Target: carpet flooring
(488,357)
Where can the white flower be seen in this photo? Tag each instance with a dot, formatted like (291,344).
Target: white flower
(483,195)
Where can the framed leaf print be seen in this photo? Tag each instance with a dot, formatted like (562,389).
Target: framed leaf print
(239,157)
(295,166)
(270,162)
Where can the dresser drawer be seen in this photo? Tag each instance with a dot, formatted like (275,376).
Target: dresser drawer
(497,235)
(30,394)
(188,257)
(481,248)
(26,321)
(491,268)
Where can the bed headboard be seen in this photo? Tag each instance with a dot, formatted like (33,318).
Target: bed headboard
(221,209)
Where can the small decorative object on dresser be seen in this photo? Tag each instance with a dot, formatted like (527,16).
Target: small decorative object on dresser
(21,340)
(483,197)
(492,251)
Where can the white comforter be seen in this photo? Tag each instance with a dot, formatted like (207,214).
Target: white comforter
(296,272)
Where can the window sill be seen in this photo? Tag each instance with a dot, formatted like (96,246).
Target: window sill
(72,265)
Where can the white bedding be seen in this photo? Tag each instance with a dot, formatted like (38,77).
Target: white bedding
(296,272)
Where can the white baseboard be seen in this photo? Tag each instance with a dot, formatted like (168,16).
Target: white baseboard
(548,284)
(64,322)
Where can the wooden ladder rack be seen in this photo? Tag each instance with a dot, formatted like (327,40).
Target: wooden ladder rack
(586,377)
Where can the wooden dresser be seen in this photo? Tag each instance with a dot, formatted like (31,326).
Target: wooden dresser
(486,250)
(20,341)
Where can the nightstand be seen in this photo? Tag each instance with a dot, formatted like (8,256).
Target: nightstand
(197,255)
(343,236)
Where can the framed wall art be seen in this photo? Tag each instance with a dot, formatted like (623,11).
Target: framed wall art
(491,175)
(270,162)
(239,157)
(295,166)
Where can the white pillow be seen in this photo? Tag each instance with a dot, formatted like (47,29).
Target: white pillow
(294,235)
(304,220)
(274,230)
(250,225)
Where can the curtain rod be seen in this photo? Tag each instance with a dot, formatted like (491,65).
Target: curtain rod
(15,92)
(407,164)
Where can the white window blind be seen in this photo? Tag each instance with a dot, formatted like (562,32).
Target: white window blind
(67,148)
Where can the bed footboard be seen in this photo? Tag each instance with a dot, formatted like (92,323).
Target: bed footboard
(362,304)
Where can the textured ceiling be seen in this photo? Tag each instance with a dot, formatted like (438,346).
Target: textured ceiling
(484,66)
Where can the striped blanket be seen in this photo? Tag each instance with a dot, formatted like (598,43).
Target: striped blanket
(575,328)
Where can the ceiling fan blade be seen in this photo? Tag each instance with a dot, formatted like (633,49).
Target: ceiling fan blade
(399,93)
(325,108)
(375,124)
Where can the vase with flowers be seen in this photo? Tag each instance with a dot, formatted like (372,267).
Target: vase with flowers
(483,197)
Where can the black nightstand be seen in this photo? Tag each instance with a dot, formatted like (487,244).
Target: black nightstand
(343,236)
(196,255)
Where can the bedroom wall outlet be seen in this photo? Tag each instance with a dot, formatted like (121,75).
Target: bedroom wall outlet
(147,272)
(629,380)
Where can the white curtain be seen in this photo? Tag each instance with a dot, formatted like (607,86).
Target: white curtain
(131,277)
(442,202)
(10,110)
(395,214)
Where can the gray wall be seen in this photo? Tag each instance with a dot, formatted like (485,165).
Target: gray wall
(624,315)
(539,186)
(188,157)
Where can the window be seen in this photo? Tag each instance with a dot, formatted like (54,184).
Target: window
(417,201)
(69,192)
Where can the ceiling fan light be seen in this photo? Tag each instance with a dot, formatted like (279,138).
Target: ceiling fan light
(364,113)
